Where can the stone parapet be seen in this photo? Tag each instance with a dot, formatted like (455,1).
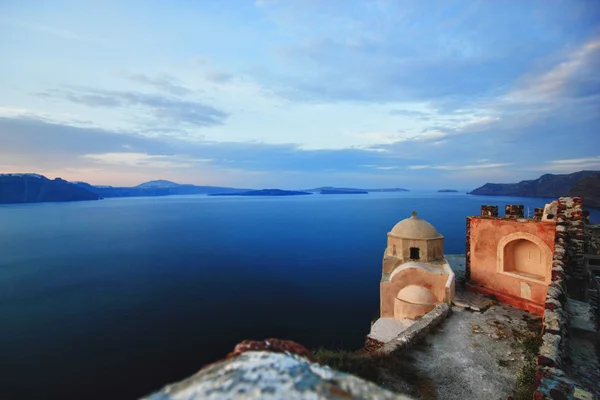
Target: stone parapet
(418,330)
(514,211)
(489,211)
(592,239)
(567,265)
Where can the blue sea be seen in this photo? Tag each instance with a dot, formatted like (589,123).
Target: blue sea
(115,298)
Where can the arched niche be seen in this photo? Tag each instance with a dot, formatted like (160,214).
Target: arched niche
(524,256)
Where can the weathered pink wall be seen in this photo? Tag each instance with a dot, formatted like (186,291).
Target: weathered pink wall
(411,276)
(484,237)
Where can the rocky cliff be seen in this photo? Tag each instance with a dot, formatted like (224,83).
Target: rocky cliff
(32,188)
(589,189)
(547,185)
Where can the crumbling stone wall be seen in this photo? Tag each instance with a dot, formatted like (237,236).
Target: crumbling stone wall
(566,265)
(571,221)
(592,239)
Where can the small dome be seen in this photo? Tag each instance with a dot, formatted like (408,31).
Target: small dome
(416,294)
(415,228)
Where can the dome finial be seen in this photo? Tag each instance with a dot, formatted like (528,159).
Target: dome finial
(414,214)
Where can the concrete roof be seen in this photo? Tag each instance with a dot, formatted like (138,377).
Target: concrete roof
(415,228)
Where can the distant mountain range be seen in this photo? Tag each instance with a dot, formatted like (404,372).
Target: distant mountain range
(20,188)
(28,188)
(583,183)
(34,188)
(156,188)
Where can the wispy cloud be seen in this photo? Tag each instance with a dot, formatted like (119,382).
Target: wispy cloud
(218,77)
(575,161)
(174,110)
(575,77)
(460,167)
(568,165)
(410,113)
(145,160)
(163,83)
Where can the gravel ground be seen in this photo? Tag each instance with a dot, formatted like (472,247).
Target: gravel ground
(472,355)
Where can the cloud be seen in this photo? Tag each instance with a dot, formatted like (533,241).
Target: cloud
(575,77)
(45,29)
(459,167)
(411,113)
(418,166)
(218,77)
(163,83)
(569,165)
(572,161)
(173,110)
(145,160)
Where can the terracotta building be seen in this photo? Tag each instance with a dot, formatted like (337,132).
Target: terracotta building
(511,257)
(416,276)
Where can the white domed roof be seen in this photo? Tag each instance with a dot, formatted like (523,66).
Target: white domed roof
(416,294)
(415,228)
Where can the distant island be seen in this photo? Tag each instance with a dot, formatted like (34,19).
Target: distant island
(583,183)
(34,188)
(264,192)
(447,191)
(343,191)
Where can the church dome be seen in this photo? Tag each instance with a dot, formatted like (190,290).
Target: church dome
(416,294)
(415,228)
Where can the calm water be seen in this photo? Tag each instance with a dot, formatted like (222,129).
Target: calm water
(115,298)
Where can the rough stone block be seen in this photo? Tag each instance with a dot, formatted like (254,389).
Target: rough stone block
(268,375)
(549,354)
(489,211)
(514,211)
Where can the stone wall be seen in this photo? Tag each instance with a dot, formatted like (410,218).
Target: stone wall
(592,239)
(271,369)
(566,265)
(514,211)
(571,224)
(417,332)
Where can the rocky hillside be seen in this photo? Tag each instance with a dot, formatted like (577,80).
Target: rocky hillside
(548,185)
(589,189)
(32,188)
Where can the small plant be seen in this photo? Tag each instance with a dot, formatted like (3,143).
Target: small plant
(530,343)
(368,366)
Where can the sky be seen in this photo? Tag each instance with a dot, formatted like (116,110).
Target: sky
(301,93)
